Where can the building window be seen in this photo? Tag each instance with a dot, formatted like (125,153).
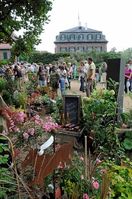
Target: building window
(62,37)
(81,48)
(98,36)
(5,55)
(89,36)
(72,49)
(80,37)
(99,49)
(63,49)
(72,37)
(89,48)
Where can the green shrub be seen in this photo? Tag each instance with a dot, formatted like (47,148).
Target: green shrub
(121,180)
(100,121)
(3,84)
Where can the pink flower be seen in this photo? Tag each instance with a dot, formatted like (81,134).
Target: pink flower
(61,165)
(95,184)
(50,126)
(36,117)
(4,132)
(98,161)
(26,136)
(85,196)
(82,158)
(16,129)
(19,117)
(31,131)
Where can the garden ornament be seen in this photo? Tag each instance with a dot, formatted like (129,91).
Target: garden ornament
(44,146)
(45,164)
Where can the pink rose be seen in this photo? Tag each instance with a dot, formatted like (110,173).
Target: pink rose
(85,196)
(95,184)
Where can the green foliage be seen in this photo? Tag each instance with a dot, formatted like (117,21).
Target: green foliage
(45,57)
(127,142)
(99,115)
(127,54)
(57,110)
(127,118)
(20,100)
(121,179)
(27,15)
(7,181)
(3,84)
(113,85)
(4,62)
(73,179)
(127,138)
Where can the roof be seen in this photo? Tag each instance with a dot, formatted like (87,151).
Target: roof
(80,29)
(5,46)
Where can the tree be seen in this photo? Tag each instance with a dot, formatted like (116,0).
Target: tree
(26,15)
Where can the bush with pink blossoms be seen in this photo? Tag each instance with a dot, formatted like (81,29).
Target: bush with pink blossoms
(19,117)
(50,126)
(28,133)
(74,177)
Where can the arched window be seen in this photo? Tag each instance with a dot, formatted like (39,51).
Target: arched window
(63,37)
(72,37)
(89,48)
(98,36)
(80,37)
(89,36)
(72,49)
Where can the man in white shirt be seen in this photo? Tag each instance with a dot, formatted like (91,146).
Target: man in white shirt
(90,77)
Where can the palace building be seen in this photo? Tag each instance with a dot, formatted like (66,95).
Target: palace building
(80,39)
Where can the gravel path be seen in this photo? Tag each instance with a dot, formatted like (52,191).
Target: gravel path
(75,84)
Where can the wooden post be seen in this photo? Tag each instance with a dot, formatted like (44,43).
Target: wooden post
(54,183)
(86,158)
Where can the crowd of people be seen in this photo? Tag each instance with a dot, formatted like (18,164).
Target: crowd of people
(90,75)
(59,76)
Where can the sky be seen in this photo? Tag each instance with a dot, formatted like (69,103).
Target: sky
(112,17)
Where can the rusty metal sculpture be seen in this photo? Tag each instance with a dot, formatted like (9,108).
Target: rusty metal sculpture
(47,163)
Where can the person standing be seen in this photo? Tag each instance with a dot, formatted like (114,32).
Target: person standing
(90,77)
(81,71)
(18,76)
(130,67)
(54,81)
(74,71)
(62,80)
(128,76)
(41,77)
